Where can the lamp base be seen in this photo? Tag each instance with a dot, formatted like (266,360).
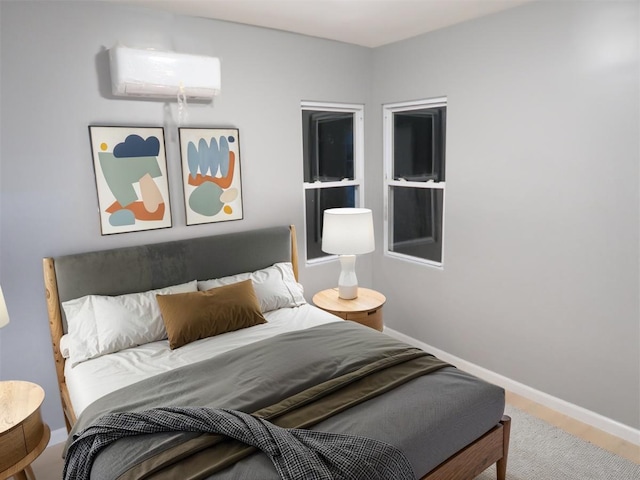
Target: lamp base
(348,292)
(348,282)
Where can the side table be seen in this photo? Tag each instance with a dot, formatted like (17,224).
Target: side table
(23,434)
(365,309)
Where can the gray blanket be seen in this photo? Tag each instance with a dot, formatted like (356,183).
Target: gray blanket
(296,454)
(252,378)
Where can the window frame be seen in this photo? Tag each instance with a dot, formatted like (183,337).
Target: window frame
(388,112)
(358,163)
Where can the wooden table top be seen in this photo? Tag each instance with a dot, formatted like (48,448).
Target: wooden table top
(367,299)
(18,400)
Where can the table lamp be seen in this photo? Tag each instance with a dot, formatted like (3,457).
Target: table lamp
(4,314)
(348,232)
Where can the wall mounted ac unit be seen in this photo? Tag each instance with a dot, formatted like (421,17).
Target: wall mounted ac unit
(153,73)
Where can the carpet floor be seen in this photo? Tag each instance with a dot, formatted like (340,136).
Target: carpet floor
(540,451)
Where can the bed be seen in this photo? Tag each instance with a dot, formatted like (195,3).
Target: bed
(448,424)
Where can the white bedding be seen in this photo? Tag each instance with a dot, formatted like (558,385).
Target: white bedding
(97,377)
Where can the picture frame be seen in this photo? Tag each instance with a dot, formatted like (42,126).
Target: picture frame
(211,174)
(130,169)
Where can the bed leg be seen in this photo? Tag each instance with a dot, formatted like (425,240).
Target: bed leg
(501,465)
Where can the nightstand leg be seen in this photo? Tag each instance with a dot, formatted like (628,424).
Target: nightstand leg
(26,474)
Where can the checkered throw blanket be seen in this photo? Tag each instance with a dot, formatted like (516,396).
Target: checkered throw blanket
(295,453)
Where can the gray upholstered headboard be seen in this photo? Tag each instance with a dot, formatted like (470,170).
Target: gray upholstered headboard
(146,267)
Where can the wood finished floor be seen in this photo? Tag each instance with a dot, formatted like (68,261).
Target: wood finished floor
(49,465)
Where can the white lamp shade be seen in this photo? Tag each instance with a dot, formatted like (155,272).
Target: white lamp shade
(348,231)
(4,314)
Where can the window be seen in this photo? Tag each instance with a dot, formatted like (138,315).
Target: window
(332,139)
(414,160)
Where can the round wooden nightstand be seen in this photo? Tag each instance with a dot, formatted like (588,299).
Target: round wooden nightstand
(365,309)
(23,434)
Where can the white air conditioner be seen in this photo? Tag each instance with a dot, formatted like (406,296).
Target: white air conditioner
(153,73)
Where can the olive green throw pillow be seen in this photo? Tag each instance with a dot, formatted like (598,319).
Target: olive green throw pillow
(191,316)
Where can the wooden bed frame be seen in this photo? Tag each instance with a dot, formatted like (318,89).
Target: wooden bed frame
(466,464)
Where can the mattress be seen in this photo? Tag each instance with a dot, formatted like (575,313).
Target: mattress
(429,418)
(97,377)
(446,410)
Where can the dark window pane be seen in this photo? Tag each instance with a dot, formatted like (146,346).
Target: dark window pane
(317,201)
(419,144)
(327,139)
(416,228)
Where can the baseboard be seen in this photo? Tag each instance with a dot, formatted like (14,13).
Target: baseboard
(58,436)
(576,412)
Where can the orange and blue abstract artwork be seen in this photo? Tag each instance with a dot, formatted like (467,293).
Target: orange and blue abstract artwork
(211,174)
(131,178)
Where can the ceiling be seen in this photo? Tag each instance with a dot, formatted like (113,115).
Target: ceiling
(370,23)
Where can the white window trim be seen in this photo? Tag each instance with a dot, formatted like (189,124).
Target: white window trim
(387,115)
(358,163)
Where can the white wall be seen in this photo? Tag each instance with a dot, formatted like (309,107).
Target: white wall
(541,276)
(542,223)
(55,82)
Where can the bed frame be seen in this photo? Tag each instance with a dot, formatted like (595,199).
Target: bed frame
(147,267)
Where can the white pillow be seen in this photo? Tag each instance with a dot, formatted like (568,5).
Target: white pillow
(64,345)
(275,286)
(99,324)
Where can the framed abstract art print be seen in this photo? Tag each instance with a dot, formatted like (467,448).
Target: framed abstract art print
(211,174)
(131,178)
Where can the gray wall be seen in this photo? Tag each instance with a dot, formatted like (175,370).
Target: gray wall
(541,250)
(540,282)
(55,82)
